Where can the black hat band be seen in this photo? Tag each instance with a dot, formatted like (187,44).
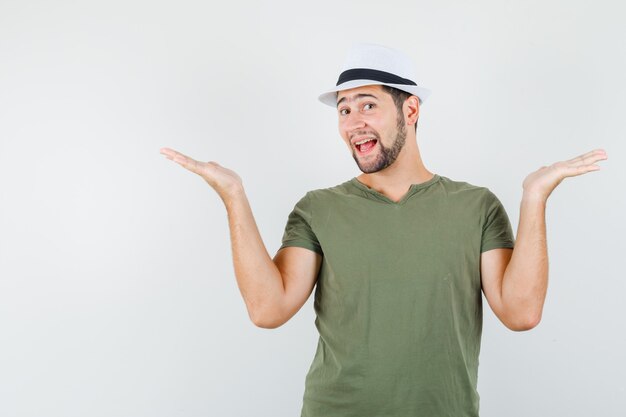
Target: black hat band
(372,74)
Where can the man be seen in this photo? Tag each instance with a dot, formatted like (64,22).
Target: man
(399,255)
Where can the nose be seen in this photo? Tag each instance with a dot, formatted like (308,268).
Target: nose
(353,121)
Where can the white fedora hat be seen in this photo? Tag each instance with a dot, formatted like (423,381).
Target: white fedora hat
(372,64)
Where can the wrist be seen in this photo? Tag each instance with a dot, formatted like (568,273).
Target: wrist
(232,194)
(534,197)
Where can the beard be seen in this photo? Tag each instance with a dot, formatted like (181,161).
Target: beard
(386,155)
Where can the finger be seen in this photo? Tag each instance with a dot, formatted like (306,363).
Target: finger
(574,171)
(579,158)
(595,152)
(187,162)
(589,158)
(182,159)
(170,152)
(166,151)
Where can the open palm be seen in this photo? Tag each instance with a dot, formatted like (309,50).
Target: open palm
(542,182)
(223,180)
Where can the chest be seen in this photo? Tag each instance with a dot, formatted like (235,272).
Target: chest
(399,245)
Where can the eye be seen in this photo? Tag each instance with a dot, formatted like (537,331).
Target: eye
(343,112)
(368,104)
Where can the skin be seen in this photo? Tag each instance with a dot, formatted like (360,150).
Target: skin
(387,150)
(514,281)
(396,162)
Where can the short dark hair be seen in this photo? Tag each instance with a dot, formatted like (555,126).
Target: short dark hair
(399,97)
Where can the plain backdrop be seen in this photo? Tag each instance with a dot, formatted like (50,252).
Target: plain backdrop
(117,289)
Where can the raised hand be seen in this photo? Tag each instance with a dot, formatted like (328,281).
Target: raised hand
(541,183)
(223,180)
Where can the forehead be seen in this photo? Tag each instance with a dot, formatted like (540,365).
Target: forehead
(366,91)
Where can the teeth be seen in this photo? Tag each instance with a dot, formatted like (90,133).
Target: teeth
(363,141)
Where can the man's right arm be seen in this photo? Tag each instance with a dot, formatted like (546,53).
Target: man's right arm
(273,290)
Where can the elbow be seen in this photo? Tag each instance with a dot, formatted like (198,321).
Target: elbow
(524,324)
(264,324)
(266,321)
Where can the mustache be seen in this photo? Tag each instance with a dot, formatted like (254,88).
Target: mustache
(367,134)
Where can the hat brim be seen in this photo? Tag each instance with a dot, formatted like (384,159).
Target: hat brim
(330,96)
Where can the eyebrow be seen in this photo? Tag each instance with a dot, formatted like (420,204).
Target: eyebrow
(358,96)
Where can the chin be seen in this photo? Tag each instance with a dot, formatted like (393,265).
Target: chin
(370,170)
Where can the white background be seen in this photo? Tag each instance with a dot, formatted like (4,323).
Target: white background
(117,290)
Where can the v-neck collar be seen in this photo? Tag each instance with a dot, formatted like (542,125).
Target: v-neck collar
(380,196)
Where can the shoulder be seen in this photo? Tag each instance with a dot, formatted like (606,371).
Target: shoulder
(454,187)
(467,198)
(332,192)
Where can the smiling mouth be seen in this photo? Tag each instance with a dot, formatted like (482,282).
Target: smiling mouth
(366,147)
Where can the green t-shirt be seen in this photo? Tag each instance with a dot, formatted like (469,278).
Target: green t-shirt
(398,297)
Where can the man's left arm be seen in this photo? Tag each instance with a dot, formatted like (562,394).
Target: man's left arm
(515,281)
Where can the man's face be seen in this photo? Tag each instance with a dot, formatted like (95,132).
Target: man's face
(370,113)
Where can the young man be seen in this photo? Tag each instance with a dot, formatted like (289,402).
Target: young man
(399,255)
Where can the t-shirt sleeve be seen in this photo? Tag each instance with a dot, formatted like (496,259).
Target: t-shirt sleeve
(298,231)
(497,230)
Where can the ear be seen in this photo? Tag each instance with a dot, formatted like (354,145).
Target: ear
(411,108)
